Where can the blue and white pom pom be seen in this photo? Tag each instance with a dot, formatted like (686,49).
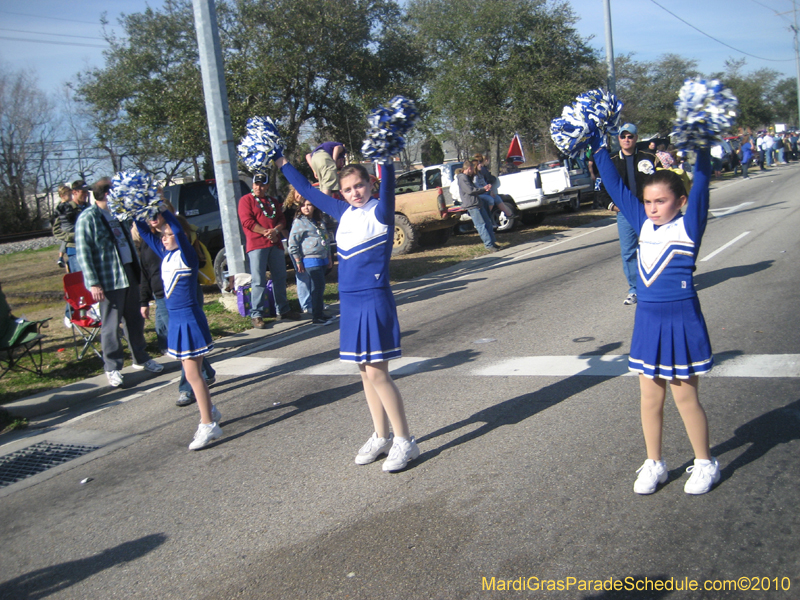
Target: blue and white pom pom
(388,128)
(706,110)
(594,113)
(134,195)
(261,145)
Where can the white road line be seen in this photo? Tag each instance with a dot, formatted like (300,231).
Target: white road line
(724,212)
(720,249)
(607,365)
(246,365)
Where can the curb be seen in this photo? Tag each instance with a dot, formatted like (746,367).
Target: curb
(68,396)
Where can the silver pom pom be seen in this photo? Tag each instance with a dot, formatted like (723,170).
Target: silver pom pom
(594,113)
(261,145)
(388,128)
(705,111)
(134,195)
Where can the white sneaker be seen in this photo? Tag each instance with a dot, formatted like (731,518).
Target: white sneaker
(216,416)
(151,366)
(114,378)
(67,323)
(204,435)
(374,447)
(703,476)
(630,299)
(651,473)
(403,451)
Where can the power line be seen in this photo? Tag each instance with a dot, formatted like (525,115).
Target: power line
(15,39)
(8,12)
(781,15)
(720,41)
(69,35)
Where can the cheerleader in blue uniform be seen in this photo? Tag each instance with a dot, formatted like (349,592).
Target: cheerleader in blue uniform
(670,340)
(369,332)
(188,336)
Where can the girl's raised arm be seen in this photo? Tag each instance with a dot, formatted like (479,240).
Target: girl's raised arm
(627,203)
(385,210)
(151,239)
(325,203)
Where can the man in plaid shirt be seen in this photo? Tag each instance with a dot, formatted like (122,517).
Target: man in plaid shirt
(111,271)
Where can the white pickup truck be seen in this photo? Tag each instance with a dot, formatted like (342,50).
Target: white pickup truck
(531,191)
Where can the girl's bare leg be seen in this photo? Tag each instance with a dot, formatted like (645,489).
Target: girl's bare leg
(194,375)
(505,208)
(384,400)
(684,391)
(653,392)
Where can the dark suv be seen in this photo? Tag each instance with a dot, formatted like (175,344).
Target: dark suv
(198,201)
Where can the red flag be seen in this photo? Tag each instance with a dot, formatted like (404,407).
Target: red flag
(515,151)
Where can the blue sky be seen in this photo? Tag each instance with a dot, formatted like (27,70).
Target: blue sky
(639,26)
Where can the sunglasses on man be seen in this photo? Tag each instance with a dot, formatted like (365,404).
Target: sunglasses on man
(625,136)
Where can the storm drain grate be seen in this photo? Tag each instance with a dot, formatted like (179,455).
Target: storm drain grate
(36,459)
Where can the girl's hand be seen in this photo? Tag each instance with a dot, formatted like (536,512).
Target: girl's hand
(300,267)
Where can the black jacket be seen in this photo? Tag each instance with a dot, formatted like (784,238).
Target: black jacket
(150,285)
(619,161)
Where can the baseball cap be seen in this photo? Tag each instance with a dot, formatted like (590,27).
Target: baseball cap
(630,128)
(261,178)
(79,184)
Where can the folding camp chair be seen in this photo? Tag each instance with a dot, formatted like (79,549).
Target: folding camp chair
(85,322)
(19,338)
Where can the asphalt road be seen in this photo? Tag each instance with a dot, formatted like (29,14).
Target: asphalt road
(514,380)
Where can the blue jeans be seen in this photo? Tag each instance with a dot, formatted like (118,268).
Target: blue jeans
(628,242)
(261,260)
(769,157)
(162,324)
(483,223)
(303,281)
(317,276)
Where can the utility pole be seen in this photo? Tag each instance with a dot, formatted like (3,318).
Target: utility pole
(796,60)
(611,77)
(223,148)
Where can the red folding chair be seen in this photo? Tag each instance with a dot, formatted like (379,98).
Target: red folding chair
(79,300)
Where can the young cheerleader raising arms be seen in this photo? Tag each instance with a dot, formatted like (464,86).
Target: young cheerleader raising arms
(188,336)
(670,339)
(370,332)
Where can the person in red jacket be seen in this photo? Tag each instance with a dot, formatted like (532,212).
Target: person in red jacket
(264,227)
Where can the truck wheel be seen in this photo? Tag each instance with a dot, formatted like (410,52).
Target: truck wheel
(574,205)
(533,218)
(221,272)
(435,238)
(405,237)
(501,221)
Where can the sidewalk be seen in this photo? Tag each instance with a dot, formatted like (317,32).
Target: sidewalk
(69,396)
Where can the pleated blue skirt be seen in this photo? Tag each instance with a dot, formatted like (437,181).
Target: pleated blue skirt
(368,327)
(187,333)
(670,340)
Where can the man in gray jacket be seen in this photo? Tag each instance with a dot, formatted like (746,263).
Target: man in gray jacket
(474,205)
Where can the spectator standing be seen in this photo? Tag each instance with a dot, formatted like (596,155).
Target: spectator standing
(471,201)
(484,177)
(107,257)
(747,155)
(633,166)
(769,145)
(309,245)
(264,227)
(67,216)
(326,160)
(64,196)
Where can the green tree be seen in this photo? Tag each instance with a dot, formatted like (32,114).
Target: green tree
(754,92)
(324,63)
(502,66)
(649,90)
(146,102)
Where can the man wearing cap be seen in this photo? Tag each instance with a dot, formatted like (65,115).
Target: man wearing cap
(66,217)
(264,227)
(326,160)
(111,271)
(633,166)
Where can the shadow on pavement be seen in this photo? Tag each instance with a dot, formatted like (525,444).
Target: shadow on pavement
(712,278)
(516,410)
(49,580)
